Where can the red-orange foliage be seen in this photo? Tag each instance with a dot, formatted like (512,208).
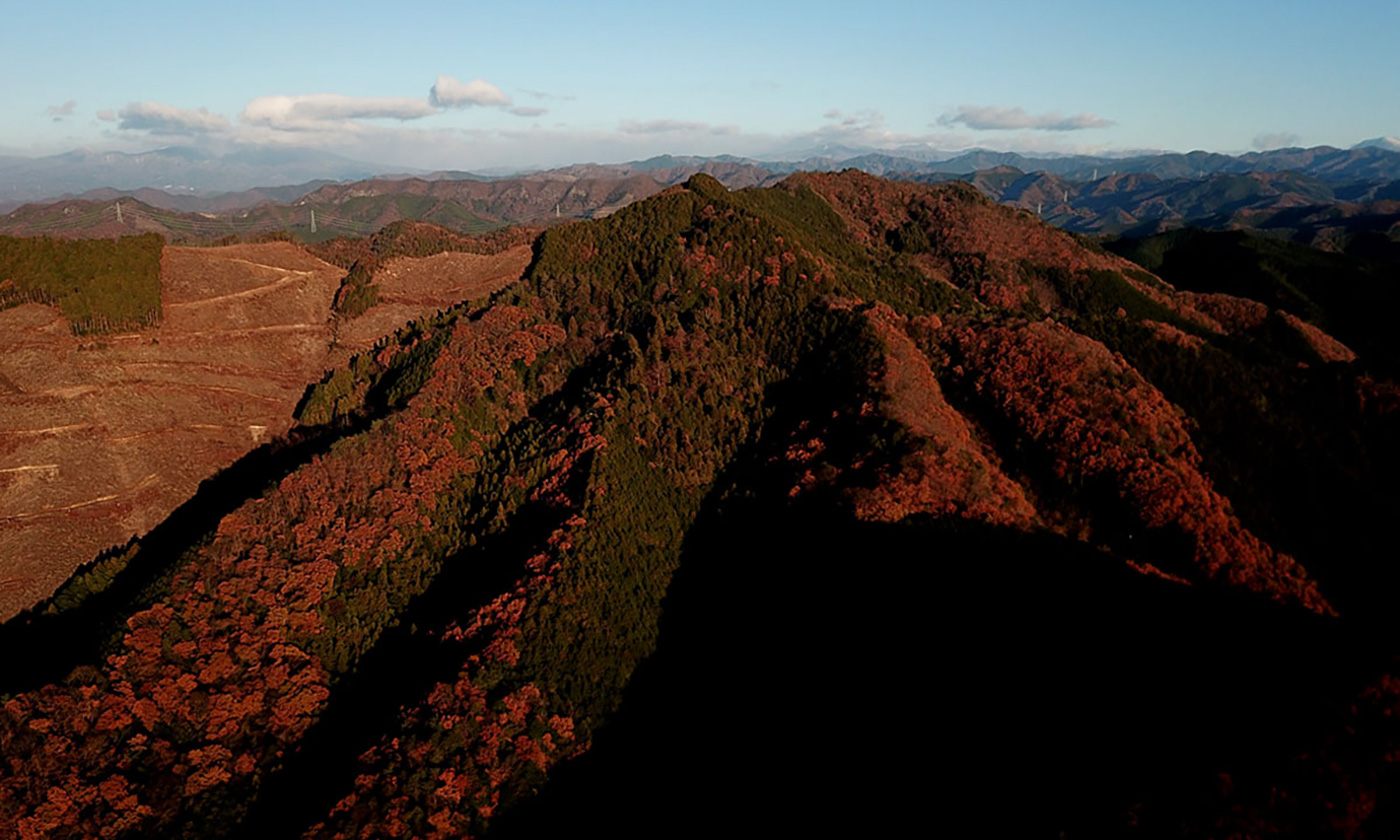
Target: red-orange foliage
(982,245)
(216,680)
(1231,314)
(511,737)
(497,744)
(1377,398)
(1324,345)
(973,238)
(1097,418)
(209,685)
(1172,335)
(949,473)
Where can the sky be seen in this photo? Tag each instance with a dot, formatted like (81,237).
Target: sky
(473,85)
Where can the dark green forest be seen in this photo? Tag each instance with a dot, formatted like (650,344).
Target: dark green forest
(100,285)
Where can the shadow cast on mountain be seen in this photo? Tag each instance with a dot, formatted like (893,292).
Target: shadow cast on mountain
(824,676)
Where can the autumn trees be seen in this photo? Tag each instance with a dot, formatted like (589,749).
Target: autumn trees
(511,489)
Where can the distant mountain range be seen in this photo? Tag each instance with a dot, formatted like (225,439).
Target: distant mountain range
(457,200)
(224,202)
(1374,161)
(1333,198)
(1392,143)
(194,173)
(178,170)
(1325,162)
(1285,204)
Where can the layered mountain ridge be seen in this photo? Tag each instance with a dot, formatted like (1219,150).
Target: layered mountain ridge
(1282,195)
(411,627)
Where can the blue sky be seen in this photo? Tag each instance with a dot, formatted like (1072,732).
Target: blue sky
(544,83)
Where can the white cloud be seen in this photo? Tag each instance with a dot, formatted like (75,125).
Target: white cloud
(448,92)
(107,115)
(58,112)
(535,145)
(540,94)
(159,118)
(355,127)
(1276,140)
(324,110)
(661,126)
(992,118)
(675,130)
(865,127)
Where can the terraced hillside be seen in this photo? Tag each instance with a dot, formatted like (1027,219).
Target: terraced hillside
(102,437)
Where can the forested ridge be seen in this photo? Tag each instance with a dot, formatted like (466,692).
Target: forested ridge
(708,491)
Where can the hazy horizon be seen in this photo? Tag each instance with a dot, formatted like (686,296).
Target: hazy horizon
(476,87)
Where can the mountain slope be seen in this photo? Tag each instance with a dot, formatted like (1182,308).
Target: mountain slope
(888,396)
(133,371)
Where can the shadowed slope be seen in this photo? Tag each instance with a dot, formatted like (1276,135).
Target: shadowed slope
(665,438)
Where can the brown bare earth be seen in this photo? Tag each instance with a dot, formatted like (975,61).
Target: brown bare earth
(100,439)
(410,288)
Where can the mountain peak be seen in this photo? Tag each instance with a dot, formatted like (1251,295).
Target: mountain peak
(1387,142)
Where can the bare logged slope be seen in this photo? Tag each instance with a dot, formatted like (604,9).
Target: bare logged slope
(411,288)
(101,439)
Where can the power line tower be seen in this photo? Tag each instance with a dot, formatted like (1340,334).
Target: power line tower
(119,212)
(313,221)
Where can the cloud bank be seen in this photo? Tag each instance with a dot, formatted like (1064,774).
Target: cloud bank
(1275,140)
(541,94)
(324,110)
(992,118)
(327,117)
(58,112)
(159,118)
(448,92)
(399,131)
